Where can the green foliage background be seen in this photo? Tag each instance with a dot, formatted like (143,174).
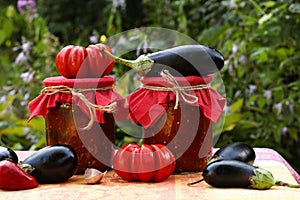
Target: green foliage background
(259,39)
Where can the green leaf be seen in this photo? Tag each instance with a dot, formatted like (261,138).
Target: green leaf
(17,146)
(4,125)
(211,35)
(10,12)
(261,102)
(282,53)
(249,21)
(251,100)
(278,93)
(13,130)
(260,55)
(231,121)
(246,124)
(236,105)
(265,18)
(269,4)
(37,123)
(257,109)
(293,133)
(277,136)
(2,36)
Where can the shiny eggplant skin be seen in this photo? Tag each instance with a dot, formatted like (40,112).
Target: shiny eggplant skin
(186,60)
(8,154)
(237,174)
(235,151)
(229,174)
(53,164)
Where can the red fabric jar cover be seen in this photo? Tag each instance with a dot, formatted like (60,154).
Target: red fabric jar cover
(41,104)
(147,105)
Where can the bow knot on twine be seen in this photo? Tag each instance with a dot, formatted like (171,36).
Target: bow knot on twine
(50,90)
(180,91)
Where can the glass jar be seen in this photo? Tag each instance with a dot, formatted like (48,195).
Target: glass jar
(187,134)
(178,112)
(94,147)
(79,113)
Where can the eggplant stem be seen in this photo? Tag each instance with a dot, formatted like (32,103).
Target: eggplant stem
(193,183)
(142,65)
(8,159)
(26,167)
(281,183)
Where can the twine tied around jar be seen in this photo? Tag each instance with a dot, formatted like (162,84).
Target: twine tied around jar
(50,90)
(178,89)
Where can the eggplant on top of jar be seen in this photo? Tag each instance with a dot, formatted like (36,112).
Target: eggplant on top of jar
(185,60)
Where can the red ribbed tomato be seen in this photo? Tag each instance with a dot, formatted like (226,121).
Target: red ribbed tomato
(98,63)
(77,61)
(69,60)
(153,162)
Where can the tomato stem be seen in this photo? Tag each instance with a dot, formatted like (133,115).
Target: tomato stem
(142,65)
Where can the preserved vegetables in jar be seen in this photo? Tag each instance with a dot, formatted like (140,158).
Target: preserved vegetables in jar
(178,112)
(79,113)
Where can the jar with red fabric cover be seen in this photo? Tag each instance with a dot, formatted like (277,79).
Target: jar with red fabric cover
(178,112)
(80,113)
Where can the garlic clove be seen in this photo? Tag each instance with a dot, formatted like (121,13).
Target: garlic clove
(93,176)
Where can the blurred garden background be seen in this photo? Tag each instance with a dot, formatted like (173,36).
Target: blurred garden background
(259,39)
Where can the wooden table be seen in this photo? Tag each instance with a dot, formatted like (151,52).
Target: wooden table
(175,187)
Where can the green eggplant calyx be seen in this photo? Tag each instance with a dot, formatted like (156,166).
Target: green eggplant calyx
(26,167)
(263,179)
(213,159)
(142,65)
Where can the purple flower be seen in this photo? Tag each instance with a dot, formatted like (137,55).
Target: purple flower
(119,3)
(227,109)
(284,130)
(21,59)
(27,76)
(251,90)
(24,55)
(235,48)
(2,99)
(243,59)
(232,4)
(12,92)
(25,5)
(268,94)
(30,136)
(94,39)
(26,47)
(278,107)
(237,93)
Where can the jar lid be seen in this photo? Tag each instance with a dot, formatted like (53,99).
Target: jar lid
(91,100)
(79,82)
(148,104)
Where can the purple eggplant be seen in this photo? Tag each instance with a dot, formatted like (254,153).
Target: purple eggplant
(237,174)
(185,60)
(235,151)
(52,164)
(8,154)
